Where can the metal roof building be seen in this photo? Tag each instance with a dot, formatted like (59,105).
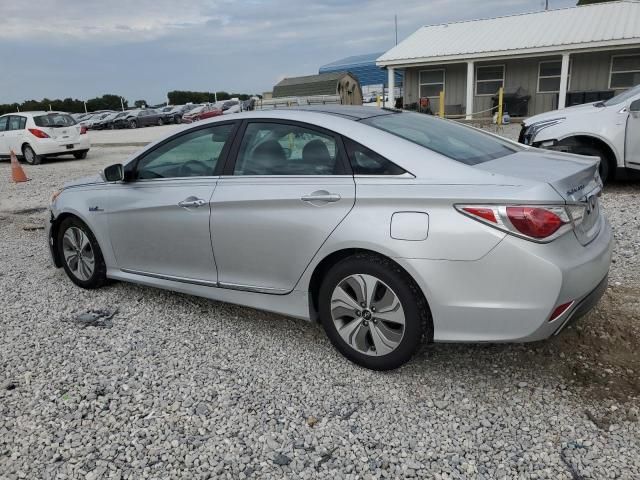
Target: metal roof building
(362,66)
(568,39)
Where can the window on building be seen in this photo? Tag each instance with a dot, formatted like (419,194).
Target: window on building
(549,76)
(625,71)
(431,82)
(489,79)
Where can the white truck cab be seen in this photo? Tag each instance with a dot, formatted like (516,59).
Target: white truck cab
(609,130)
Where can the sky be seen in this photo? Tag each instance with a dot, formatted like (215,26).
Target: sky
(141,49)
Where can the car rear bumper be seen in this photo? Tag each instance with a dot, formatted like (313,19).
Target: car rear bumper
(510,294)
(50,146)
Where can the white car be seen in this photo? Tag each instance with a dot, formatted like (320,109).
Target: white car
(36,135)
(609,130)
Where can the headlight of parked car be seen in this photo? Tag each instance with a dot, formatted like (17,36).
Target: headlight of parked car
(532,130)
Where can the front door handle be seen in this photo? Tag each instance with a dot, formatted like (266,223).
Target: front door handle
(321,196)
(192,202)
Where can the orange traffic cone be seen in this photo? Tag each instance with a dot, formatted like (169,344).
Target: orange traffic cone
(17,173)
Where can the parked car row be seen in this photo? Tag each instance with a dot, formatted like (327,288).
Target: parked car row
(143,117)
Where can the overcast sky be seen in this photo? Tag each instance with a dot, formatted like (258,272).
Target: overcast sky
(142,49)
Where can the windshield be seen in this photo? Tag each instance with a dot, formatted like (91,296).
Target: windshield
(54,120)
(454,140)
(623,97)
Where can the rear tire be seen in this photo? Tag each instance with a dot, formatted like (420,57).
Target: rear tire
(605,168)
(80,155)
(30,155)
(368,328)
(160,122)
(80,253)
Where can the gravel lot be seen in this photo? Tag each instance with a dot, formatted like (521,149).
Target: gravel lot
(181,387)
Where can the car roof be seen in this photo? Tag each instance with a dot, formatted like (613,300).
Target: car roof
(353,112)
(33,113)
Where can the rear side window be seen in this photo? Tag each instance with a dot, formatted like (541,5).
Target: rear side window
(458,142)
(3,123)
(365,161)
(17,123)
(54,120)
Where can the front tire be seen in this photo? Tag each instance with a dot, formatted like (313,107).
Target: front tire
(373,312)
(133,124)
(80,254)
(30,155)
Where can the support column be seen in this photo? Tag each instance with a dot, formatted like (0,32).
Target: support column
(470,86)
(392,86)
(564,81)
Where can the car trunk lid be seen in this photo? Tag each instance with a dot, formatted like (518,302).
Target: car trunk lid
(574,177)
(59,126)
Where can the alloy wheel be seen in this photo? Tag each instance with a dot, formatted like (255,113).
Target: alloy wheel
(78,253)
(368,315)
(29,155)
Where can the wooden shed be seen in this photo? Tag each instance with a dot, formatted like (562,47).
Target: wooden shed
(343,84)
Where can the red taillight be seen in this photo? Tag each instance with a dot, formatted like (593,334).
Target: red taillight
(83,130)
(534,222)
(485,213)
(560,309)
(38,133)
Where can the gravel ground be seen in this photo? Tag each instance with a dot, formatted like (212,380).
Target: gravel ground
(180,387)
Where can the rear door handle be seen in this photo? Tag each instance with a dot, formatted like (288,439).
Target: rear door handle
(321,196)
(192,202)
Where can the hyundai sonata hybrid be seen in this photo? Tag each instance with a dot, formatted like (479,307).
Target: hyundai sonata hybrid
(390,228)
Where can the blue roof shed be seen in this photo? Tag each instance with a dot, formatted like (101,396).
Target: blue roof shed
(364,67)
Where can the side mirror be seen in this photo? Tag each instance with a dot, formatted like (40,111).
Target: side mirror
(114,173)
(635,106)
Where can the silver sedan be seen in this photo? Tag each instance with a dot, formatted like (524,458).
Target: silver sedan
(390,228)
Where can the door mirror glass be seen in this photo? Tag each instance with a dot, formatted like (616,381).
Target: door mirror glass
(635,106)
(114,173)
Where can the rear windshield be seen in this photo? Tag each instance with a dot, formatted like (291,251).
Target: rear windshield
(454,140)
(54,120)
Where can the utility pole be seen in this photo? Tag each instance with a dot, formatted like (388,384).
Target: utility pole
(546,5)
(122,104)
(85,106)
(396,23)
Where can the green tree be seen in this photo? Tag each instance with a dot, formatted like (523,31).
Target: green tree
(106,102)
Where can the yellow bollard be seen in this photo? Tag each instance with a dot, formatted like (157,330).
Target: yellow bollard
(378,101)
(500,95)
(441,106)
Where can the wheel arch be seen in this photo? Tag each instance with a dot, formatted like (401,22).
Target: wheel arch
(55,227)
(333,258)
(594,142)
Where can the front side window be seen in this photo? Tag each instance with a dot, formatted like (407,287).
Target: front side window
(625,71)
(365,161)
(431,83)
(489,79)
(283,149)
(17,123)
(194,154)
(458,142)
